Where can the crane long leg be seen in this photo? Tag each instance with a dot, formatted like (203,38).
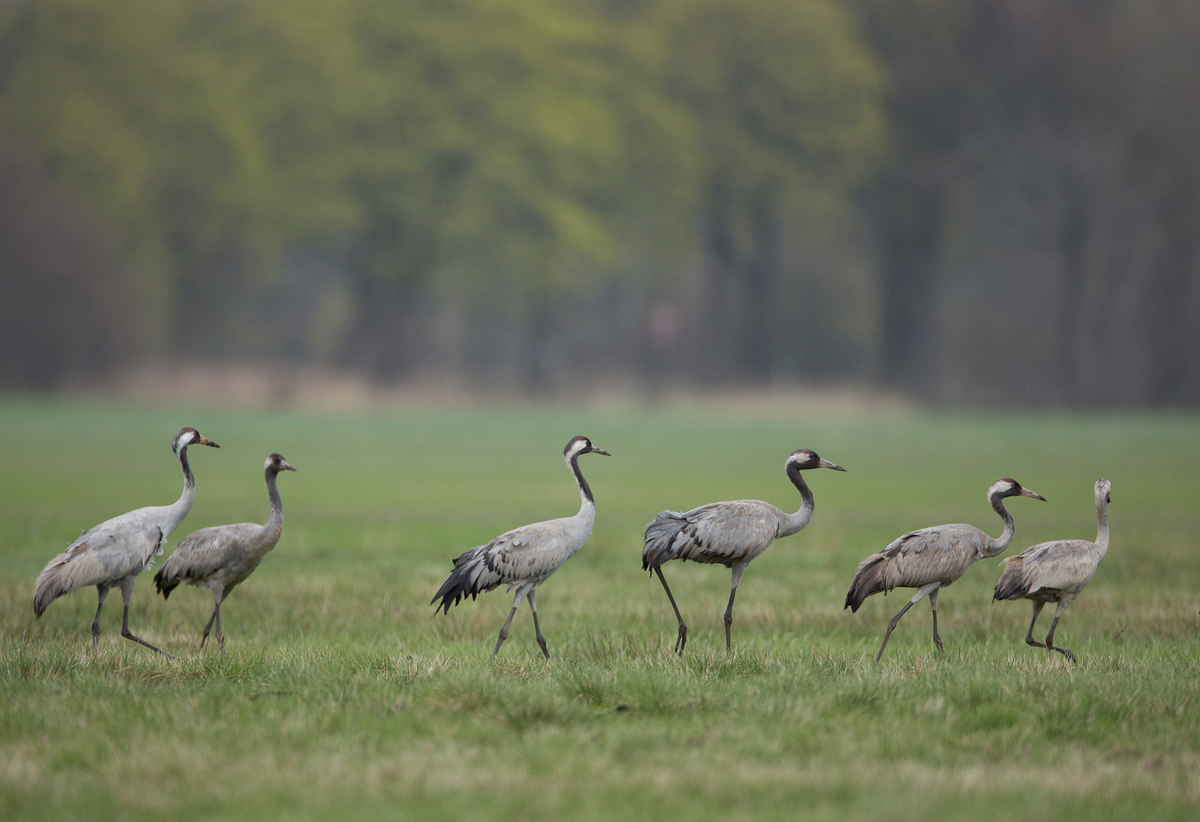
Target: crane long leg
(211,620)
(103,591)
(738,570)
(937,640)
(504,628)
(220,633)
(537,628)
(921,593)
(218,595)
(1037,611)
(127,595)
(1050,646)
(682,640)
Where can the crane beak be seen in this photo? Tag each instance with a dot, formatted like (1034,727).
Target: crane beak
(286,466)
(824,463)
(206,441)
(1025,492)
(599,451)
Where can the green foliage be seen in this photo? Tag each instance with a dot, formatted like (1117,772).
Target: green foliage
(782,92)
(198,132)
(519,148)
(341,696)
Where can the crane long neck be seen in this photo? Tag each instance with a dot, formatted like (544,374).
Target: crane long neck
(587,504)
(1000,544)
(275,523)
(1102,530)
(794,522)
(180,509)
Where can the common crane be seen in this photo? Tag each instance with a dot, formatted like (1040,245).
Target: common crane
(222,557)
(1056,571)
(525,557)
(113,553)
(727,533)
(933,558)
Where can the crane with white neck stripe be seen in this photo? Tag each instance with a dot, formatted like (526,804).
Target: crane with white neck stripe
(113,553)
(932,558)
(525,557)
(728,533)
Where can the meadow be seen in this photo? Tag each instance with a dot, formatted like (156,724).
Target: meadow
(342,695)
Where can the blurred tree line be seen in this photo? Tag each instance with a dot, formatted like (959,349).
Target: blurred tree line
(967,200)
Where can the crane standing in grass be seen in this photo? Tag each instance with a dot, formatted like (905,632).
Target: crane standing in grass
(728,533)
(525,557)
(221,557)
(933,558)
(1056,572)
(113,553)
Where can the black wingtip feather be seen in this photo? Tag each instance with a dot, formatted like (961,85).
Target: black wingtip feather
(456,587)
(660,539)
(1010,586)
(164,585)
(868,580)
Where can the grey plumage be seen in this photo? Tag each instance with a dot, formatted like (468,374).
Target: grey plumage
(525,557)
(933,558)
(113,553)
(1056,571)
(222,557)
(727,533)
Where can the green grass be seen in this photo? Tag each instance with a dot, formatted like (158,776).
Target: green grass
(341,696)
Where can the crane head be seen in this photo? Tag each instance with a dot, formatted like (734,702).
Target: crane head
(277,463)
(1009,487)
(190,436)
(582,445)
(804,459)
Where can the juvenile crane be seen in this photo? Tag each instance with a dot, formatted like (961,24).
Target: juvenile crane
(933,558)
(727,533)
(113,553)
(525,557)
(1056,572)
(222,557)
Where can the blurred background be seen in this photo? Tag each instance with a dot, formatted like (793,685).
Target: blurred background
(966,202)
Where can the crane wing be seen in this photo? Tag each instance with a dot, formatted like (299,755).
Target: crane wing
(721,533)
(1064,566)
(528,554)
(202,553)
(942,553)
(103,555)
(113,550)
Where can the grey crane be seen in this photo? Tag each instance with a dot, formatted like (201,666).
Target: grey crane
(113,553)
(525,557)
(933,558)
(1056,571)
(727,533)
(222,557)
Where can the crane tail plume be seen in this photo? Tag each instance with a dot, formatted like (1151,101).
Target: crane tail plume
(1012,584)
(165,583)
(57,578)
(868,579)
(661,535)
(463,581)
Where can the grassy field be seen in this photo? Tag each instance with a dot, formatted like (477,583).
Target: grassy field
(342,696)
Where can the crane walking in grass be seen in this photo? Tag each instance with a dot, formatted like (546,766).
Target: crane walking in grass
(933,558)
(1056,572)
(525,557)
(222,557)
(113,553)
(727,533)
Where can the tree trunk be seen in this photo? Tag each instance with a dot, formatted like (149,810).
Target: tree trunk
(908,218)
(754,322)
